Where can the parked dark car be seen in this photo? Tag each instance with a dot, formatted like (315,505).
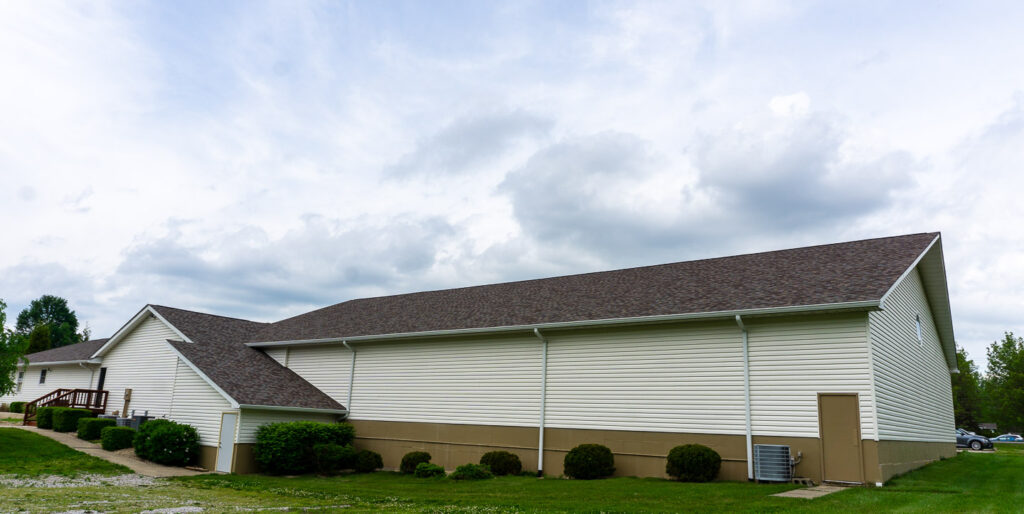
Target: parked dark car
(1008,438)
(965,439)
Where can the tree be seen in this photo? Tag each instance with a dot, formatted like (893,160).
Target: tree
(40,339)
(1005,381)
(12,353)
(53,312)
(967,403)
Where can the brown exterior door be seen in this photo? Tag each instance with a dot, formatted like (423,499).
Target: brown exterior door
(839,423)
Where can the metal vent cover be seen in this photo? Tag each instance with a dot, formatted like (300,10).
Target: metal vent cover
(772,463)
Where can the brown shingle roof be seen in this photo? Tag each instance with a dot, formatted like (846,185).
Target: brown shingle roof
(248,375)
(72,352)
(828,274)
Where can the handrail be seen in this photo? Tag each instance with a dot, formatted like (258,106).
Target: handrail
(92,399)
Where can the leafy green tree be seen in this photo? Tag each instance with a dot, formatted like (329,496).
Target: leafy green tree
(1005,381)
(967,398)
(53,312)
(12,353)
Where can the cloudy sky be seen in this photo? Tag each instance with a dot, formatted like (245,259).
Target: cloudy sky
(262,159)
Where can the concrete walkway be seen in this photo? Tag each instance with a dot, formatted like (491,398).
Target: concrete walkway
(811,492)
(127,459)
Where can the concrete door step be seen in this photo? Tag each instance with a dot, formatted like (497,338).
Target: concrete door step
(811,492)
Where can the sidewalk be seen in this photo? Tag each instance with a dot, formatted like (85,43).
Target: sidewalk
(126,459)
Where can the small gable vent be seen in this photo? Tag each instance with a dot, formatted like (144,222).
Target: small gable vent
(772,463)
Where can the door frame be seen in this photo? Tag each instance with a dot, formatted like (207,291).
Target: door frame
(234,437)
(860,438)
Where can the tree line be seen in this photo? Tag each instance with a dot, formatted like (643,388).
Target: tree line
(46,323)
(997,396)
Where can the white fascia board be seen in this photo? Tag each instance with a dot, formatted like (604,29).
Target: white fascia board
(134,322)
(908,271)
(293,409)
(795,309)
(60,363)
(211,383)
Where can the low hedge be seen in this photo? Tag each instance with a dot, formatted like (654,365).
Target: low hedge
(502,463)
(166,442)
(427,470)
(90,428)
(693,463)
(44,417)
(66,419)
(411,460)
(368,461)
(471,472)
(18,407)
(589,461)
(331,458)
(287,448)
(116,438)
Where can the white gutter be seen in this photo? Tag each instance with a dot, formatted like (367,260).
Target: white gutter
(862,305)
(543,399)
(292,409)
(746,398)
(351,375)
(61,363)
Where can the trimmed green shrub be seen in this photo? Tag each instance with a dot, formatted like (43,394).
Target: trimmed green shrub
(693,463)
(502,463)
(18,407)
(89,428)
(411,460)
(427,470)
(287,448)
(589,461)
(44,417)
(168,443)
(116,438)
(66,419)
(332,458)
(471,472)
(368,461)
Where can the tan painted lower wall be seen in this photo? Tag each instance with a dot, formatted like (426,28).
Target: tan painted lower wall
(898,457)
(243,460)
(208,457)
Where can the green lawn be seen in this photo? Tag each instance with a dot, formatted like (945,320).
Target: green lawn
(23,453)
(970,482)
(7,417)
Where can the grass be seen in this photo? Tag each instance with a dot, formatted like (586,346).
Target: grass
(23,453)
(6,417)
(970,482)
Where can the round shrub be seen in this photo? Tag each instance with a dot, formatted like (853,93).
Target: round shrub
(66,420)
(116,438)
(368,461)
(471,472)
(167,443)
(589,461)
(693,463)
(427,470)
(18,407)
(44,417)
(411,460)
(89,428)
(287,448)
(332,458)
(502,463)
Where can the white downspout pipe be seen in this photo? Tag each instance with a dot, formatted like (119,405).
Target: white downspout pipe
(746,398)
(351,379)
(543,399)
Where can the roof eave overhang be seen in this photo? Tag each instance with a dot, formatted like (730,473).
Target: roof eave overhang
(137,320)
(61,363)
(293,409)
(694,316)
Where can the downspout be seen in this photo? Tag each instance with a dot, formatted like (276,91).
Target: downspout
(543,398)
(746,397)
(351,379)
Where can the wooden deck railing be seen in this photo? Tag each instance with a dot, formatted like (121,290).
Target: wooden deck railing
(92,399)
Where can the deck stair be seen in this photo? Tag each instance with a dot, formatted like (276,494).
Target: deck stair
(92,399)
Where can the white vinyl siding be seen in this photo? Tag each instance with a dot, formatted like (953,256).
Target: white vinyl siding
(144,363)
(479,381)
(64,376)
(196,403)
(685,378)
(794,359)
(915,400)
(326,367)
(251,419)
(279,354)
